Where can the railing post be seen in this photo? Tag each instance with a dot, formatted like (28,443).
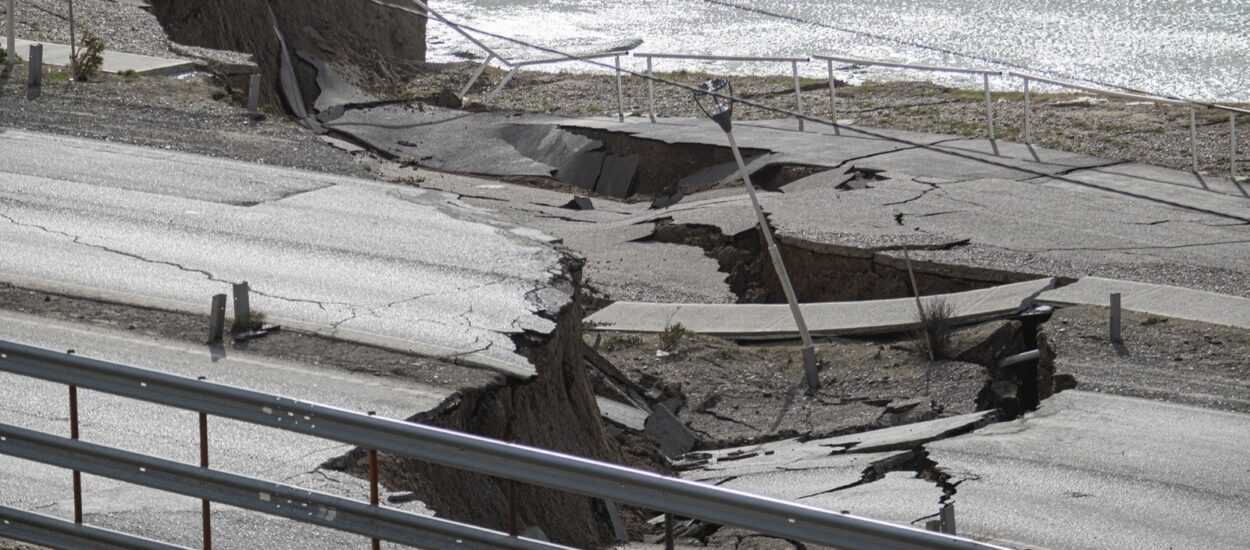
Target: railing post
(217,319)
(651,90)
(620,92)
(1193,137)
(833,97)
(476,75)
(10,25)
(989,106)
(668,532)
(499,88)
(206,518)
(514,524)
(374,543)
(1028,114)
(73,434)
(242,308)
(798,92)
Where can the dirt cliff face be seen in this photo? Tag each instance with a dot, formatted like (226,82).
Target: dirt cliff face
(369,43)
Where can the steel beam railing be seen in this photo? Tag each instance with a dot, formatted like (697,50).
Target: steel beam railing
(794,71)
(984,74)
(49,531)
(467,452)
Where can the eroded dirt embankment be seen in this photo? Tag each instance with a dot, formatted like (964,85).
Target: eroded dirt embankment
(367,40)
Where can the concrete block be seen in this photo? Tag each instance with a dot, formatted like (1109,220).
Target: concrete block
(673,437)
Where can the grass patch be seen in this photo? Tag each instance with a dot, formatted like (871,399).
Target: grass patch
(613,343)
(671,337)
(933,337)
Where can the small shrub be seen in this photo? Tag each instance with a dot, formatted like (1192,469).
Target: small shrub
(90,59)
(672,336)
(936,327)
(613,343)
(128,73)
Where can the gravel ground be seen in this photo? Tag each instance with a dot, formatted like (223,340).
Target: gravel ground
(1163,359)
(123,24)
(1115,129)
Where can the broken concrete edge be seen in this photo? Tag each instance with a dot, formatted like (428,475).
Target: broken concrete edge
(1099,292)
(519,370)
(665,313)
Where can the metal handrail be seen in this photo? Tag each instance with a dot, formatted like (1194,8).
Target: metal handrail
(833,94)
(794,70)
(478,454)
(1028,111)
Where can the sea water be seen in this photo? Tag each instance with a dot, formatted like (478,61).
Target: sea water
(1195,49)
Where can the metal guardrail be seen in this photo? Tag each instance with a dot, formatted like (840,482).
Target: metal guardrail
(1232,133)
(467,452)
(985,77)
(794,70)
(55,532)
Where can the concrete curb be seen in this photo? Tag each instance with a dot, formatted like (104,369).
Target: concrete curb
(1162,300)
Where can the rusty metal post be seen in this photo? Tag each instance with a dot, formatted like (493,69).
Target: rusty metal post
(514,528)
(73,434)
(374,543)
(668,532)
(206,518)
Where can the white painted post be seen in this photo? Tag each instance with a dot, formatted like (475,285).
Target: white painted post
(476,75)
(798,92)
(499,88)
(620,93)
(989,106)
(651,91)
(811,369)
(833,97)
(1028,114)
(1116,337)
(10,26)
(1193,137)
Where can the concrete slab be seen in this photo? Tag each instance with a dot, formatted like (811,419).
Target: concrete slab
(1162,300)
(114,62)
(626,415)
(1092,471)
(773,321)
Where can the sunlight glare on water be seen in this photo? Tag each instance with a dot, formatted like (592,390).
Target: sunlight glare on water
(1199,49)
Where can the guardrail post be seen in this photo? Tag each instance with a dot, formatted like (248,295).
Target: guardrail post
(1193,137)
(1028,114)
(1116,336)
(206,518)
(948,519)
(668,532)
(10,26)
(375,543)
(217,319)
(1232,150)
(989,106)
(34,71)
(798,93)
(499,88)
(242,308)
(514,525)
(253,95)
(620,92)
(651,90)
(73,434)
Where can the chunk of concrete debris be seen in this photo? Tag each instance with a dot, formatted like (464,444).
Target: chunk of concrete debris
(669,434)
(579,203)
(987,343)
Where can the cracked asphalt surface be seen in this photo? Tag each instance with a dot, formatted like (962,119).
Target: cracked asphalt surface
(168,433)
(406,268)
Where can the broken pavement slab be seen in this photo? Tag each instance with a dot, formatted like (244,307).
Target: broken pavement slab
(773,321)
(1162,300)
(1090,471)
(114,62)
